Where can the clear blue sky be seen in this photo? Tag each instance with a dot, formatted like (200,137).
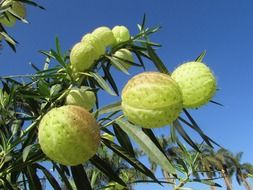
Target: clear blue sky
(223,28)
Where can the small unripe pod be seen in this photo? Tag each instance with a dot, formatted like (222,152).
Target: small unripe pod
(197,82)
(151,99)
(81,97)
(121,34)
(92,40)
(82,56)
(104,35)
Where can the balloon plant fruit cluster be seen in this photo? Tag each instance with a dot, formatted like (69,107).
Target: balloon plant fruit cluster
(70,135)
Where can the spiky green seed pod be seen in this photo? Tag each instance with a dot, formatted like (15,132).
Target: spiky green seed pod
(124,54)
(82,56)
(69,135)
(121,34)
(197,82)
(81,97)
(151,99)
(95,42)
(17,8)
(104,35)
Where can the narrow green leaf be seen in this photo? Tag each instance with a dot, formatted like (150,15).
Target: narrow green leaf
(63,176)
(58,58)
(57,44)
(104,167)
(49,177)
(217,103)
(116,106)
(185,136)
(129,158)
(117,64)
(156,60)
(201,56)
(152,136)
(32,3)
(207,182)
(123,139)
(8,38)
(80,178)
(140,59)
(26,152)
(6,184)
(197,128)
(110,80)
(147,145)
(102,83)
(34,181)
(143,22)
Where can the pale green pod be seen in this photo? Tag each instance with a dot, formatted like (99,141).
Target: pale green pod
(69,135)
(81,97)
(121,34)
(104,35)
(124,54)
(82,56)
(17,7)
(197,82)
(95,42)
(151,99)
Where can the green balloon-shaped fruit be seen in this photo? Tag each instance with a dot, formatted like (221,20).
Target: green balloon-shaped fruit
(104,35)
(95,42)
(17,8)
(69,135)
(121,34)
(197,82)
(83,56)
(124,55)
(151,99)
(81,97)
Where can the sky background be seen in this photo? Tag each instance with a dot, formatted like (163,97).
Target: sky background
(222,27)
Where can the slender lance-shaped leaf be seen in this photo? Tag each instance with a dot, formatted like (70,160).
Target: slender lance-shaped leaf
(102,83)
(123,139)
(201,57)
(116,106)
(49,177)
(156,60)
(110,79)
(80,178)
(26,152)
(152,136)
(63,176)
(204,137)
(118,65)
(197,128)
(217,103)
(147,145)
(6,184)
(185,136)
(130,159)
(106,169)
(207,182)
(33,179)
